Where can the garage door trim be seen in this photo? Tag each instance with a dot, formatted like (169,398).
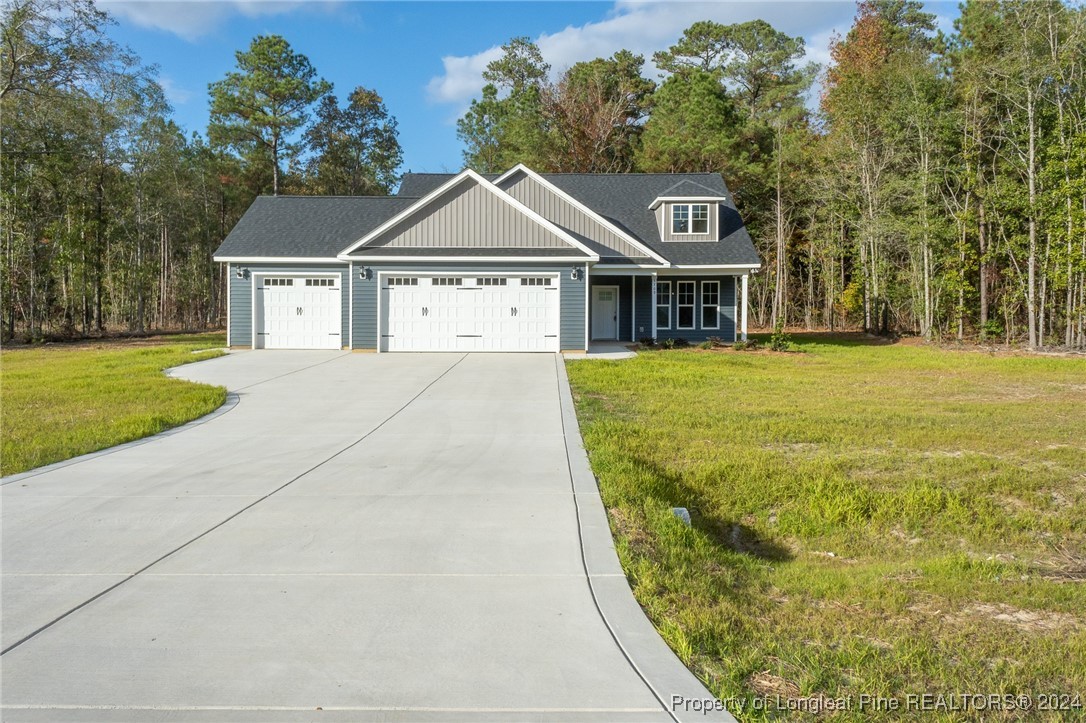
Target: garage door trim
(257,286)
(464,272)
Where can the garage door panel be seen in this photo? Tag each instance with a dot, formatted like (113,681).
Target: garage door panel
(299,312)
(470,313)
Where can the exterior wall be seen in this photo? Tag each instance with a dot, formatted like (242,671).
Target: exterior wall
(728,312)
(665,219)
(557,210)
(366,293)
(241,296)
(625,302)
(469,216)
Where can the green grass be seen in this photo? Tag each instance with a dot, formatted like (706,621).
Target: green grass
(867,519)
(64,400)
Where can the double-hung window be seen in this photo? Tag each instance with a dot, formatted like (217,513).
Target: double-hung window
(690,218)
(663,304)
(685,298)
(710,304)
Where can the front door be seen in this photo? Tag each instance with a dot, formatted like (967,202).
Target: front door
(605,312)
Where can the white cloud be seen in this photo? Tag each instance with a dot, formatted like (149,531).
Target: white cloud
(645,27)
(193,19)
(174,93)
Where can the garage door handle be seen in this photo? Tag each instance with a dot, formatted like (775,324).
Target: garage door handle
(513,310)
(299,311)
(425,311)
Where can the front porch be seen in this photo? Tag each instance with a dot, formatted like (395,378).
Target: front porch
(628,305)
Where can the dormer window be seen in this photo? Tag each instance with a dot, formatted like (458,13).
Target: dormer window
(690,218)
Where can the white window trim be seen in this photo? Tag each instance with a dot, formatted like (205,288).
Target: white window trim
(656,305)
(703,304)
(690,219)
(693,306)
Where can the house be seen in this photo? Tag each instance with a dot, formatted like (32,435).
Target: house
(517,262)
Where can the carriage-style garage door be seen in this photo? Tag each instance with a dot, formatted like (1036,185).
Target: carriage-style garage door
(298,312)
(469,312)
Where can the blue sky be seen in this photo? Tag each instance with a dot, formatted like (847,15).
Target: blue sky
(425,58)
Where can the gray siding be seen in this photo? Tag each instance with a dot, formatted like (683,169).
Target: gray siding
(241,296)
(366,293)
(664,217)
(697,334)
(625,303)
(557,210)
(469,216)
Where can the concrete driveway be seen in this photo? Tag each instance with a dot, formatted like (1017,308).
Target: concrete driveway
(354,537)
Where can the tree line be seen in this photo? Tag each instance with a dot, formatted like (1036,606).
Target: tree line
(936,185)
(110,212)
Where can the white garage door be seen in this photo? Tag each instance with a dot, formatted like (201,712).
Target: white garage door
(470,312)
(298,312)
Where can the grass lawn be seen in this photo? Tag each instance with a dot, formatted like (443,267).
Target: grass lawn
(64,400)
(867,519)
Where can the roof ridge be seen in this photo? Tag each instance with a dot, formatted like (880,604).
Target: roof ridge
(296,196)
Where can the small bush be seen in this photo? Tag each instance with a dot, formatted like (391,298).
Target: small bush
(646,341)
(780,341)
(750,345)
(668,343)
(705,345)
(716,341)
(992,329)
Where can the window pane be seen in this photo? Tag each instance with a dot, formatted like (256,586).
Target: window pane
(709,317)
(662,320)
(663,293)
(680,219)
(686,317)
(700,218)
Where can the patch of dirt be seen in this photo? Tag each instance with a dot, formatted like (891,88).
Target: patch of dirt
(792,447)
(767,684)
(1028,620)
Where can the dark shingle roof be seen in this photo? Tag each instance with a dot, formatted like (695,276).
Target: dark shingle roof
(624,199)
(308,226)
(318,226)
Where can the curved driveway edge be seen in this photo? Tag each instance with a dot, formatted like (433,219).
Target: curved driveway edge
(657,665)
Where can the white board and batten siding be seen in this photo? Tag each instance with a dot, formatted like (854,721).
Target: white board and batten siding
(470,312)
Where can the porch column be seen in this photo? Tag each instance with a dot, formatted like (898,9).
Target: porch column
(652,304)
(743,312)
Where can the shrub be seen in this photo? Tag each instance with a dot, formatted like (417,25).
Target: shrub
(646,341)
(992,329)
(705,345)
(716,341)
(780,341)
(750,345)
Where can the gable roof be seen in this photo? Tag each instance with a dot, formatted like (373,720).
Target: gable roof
(324,227)
(307,226)
(425,206)
(624,199)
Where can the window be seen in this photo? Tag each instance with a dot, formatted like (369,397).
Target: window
(536,281)
(447,281)
(492,281)
(403,281)
(278,282)
(320,282)
(710,304)
(685,298)
(690,218)
(663,304)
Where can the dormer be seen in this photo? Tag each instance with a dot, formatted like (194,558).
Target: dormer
(688,211)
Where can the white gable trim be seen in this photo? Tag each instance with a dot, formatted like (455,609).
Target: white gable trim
(583,209)
(465,175)
(687,199)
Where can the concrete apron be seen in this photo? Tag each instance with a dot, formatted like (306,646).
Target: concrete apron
(362,537)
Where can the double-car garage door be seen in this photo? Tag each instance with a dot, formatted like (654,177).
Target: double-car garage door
(416,312)
(469,312)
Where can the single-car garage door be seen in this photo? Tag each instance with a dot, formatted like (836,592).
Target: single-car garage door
(298,312)
(469,312)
